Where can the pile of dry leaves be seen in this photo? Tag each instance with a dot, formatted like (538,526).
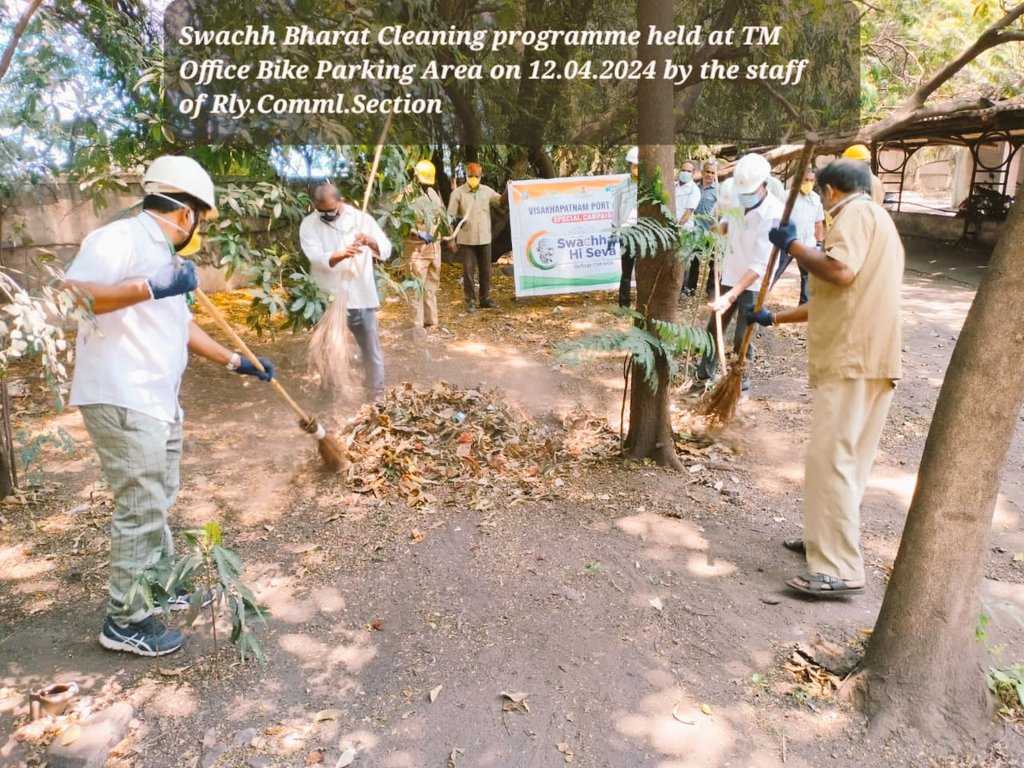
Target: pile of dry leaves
(412,439)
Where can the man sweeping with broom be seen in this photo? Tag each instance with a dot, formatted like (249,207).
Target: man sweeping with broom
(747,252)
(341,243)
(129,362)
(853,361)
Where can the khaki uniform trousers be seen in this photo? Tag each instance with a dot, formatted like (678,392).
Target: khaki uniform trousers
(425,266)
(849,415)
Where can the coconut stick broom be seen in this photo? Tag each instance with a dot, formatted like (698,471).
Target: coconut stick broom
(330,450)
(328,344)
(720,406)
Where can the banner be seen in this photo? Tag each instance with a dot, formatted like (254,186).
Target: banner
(560,235)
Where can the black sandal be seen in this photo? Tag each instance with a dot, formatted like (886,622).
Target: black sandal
(823,586)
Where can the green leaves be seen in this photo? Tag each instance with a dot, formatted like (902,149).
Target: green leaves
(664,341)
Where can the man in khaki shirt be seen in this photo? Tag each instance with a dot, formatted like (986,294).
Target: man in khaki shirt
(472,202)
(853,353)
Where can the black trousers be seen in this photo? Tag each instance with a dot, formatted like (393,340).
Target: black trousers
(739,308)
(476,258)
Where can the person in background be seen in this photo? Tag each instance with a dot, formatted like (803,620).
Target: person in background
(472,202)
(129,361)
(747,252)
(861,153)
(424,248)
(624,202)
(342,243)
(809,217)
(687,196)
(704,218)
(853,363)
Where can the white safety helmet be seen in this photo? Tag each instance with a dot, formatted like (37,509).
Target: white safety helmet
(750,173)
(173,173)
(633,156)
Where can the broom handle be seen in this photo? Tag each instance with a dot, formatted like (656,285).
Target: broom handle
(211,308)
(376,162)
(801,166)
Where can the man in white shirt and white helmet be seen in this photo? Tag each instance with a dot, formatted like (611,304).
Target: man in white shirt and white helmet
(624,204)
(747,251)
(129,362)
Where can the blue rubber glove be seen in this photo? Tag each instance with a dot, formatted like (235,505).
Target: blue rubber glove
(761,317)
(174,280)
(248,369)
(782,236)
(425,236)
(613,240)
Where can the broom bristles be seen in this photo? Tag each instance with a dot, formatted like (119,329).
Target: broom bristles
(329,346)
(721,403)
(331,452)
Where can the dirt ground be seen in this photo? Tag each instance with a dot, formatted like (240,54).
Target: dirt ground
(579,611)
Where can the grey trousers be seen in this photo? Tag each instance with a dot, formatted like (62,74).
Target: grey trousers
(141,459)
(363,324)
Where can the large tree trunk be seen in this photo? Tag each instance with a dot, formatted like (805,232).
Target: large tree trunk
(922,664)
(658,279)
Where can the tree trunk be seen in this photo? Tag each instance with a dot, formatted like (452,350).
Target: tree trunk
(922,664)
(658,279)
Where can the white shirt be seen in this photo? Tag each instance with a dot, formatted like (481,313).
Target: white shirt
(132,357)
(320,239)
(747,246)
(687,199)
(624,204)
(807,211)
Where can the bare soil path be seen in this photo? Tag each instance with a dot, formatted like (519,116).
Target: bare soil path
(587,613)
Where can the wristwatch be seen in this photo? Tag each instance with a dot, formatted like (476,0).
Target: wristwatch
(234,362)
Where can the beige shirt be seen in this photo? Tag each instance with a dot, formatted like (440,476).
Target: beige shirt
(853,331)
(430,217)
(475,208)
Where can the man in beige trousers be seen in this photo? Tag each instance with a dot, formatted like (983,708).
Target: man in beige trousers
(424,246)
(853,351)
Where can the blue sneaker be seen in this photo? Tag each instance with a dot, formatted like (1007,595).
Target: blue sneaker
(148,637)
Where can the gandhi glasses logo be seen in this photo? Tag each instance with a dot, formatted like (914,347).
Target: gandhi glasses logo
(542,251)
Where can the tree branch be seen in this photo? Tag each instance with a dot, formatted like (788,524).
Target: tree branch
(991,37)
(19,30)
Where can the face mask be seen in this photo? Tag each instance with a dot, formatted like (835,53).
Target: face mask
(634,172)
(473,182)
(685,177)
(328,216)
(190,246)
(192,241)
(806,187)
(749,199)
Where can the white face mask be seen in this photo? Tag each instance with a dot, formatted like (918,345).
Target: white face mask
(193,242)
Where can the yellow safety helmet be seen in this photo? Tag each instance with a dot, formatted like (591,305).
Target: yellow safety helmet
(857,152)
(425,172)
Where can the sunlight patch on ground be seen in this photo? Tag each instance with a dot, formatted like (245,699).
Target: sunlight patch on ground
(17,564)
(703,740)
(167,699)
(900,485)
(1006,518)
(701,565)
(662,532)
(329,656)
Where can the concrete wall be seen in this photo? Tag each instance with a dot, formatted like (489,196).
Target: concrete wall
(55,217)
(944,227)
